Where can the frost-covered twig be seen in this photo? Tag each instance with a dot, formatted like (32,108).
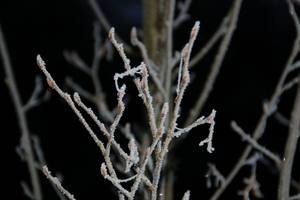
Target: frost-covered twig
(42,162)
(211,42)
(70,102)
(57,183)
(51,82)
(220,55)
(148,62)
(109,134)
(210,120)
(141,85)
(186,195)
(183,82)
(153,151)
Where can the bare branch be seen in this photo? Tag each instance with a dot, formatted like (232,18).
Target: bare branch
(34,99)
(23,125)
(74,59)
(142,48)
(183,15)
(213,171)
(211,42)
(252,184)
(292,140)
(196,109)
(255,144)
(57,183)
(104,22)
(186,195)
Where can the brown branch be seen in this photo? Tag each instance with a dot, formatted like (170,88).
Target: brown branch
(104,23)
(21,114)
(56,182)
(196,109)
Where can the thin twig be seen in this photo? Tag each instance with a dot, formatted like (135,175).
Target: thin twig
(26,141)
(142,48)
(42,162)
(196,109)
(251,183)
(213,171)
(186,195)
(99,97)
(183,10)
(105,24)
(212,41)
(292,140)
(26,190)
(34,100)
(57,183)
(255,144)
(260,127)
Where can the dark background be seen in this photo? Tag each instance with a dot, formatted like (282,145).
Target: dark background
(255,59)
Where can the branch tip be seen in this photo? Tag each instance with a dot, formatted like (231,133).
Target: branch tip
(40,61)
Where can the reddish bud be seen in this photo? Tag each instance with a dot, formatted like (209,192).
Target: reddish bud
(103,170)
(147,151)
(67,98)
(40,62)
(195,30)
(143,83)
(111,33)
(50,82)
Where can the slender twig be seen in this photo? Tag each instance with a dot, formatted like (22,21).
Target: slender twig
(34,100)
(26,190)
(255,144)
(57,183)
(290,84)
(183,10)
(295,197)
(292,140)
(281,119)
(166,73)
(251,183)
(142,86)
(108,134)
(99,97)
(105,24)
(70,102)
(26,141)
(260,127)
(183,83)
(196,109)
(212,41)
(142,48)
(99,53)
(186,195)
(213,171)
(76,87)
(42,162)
